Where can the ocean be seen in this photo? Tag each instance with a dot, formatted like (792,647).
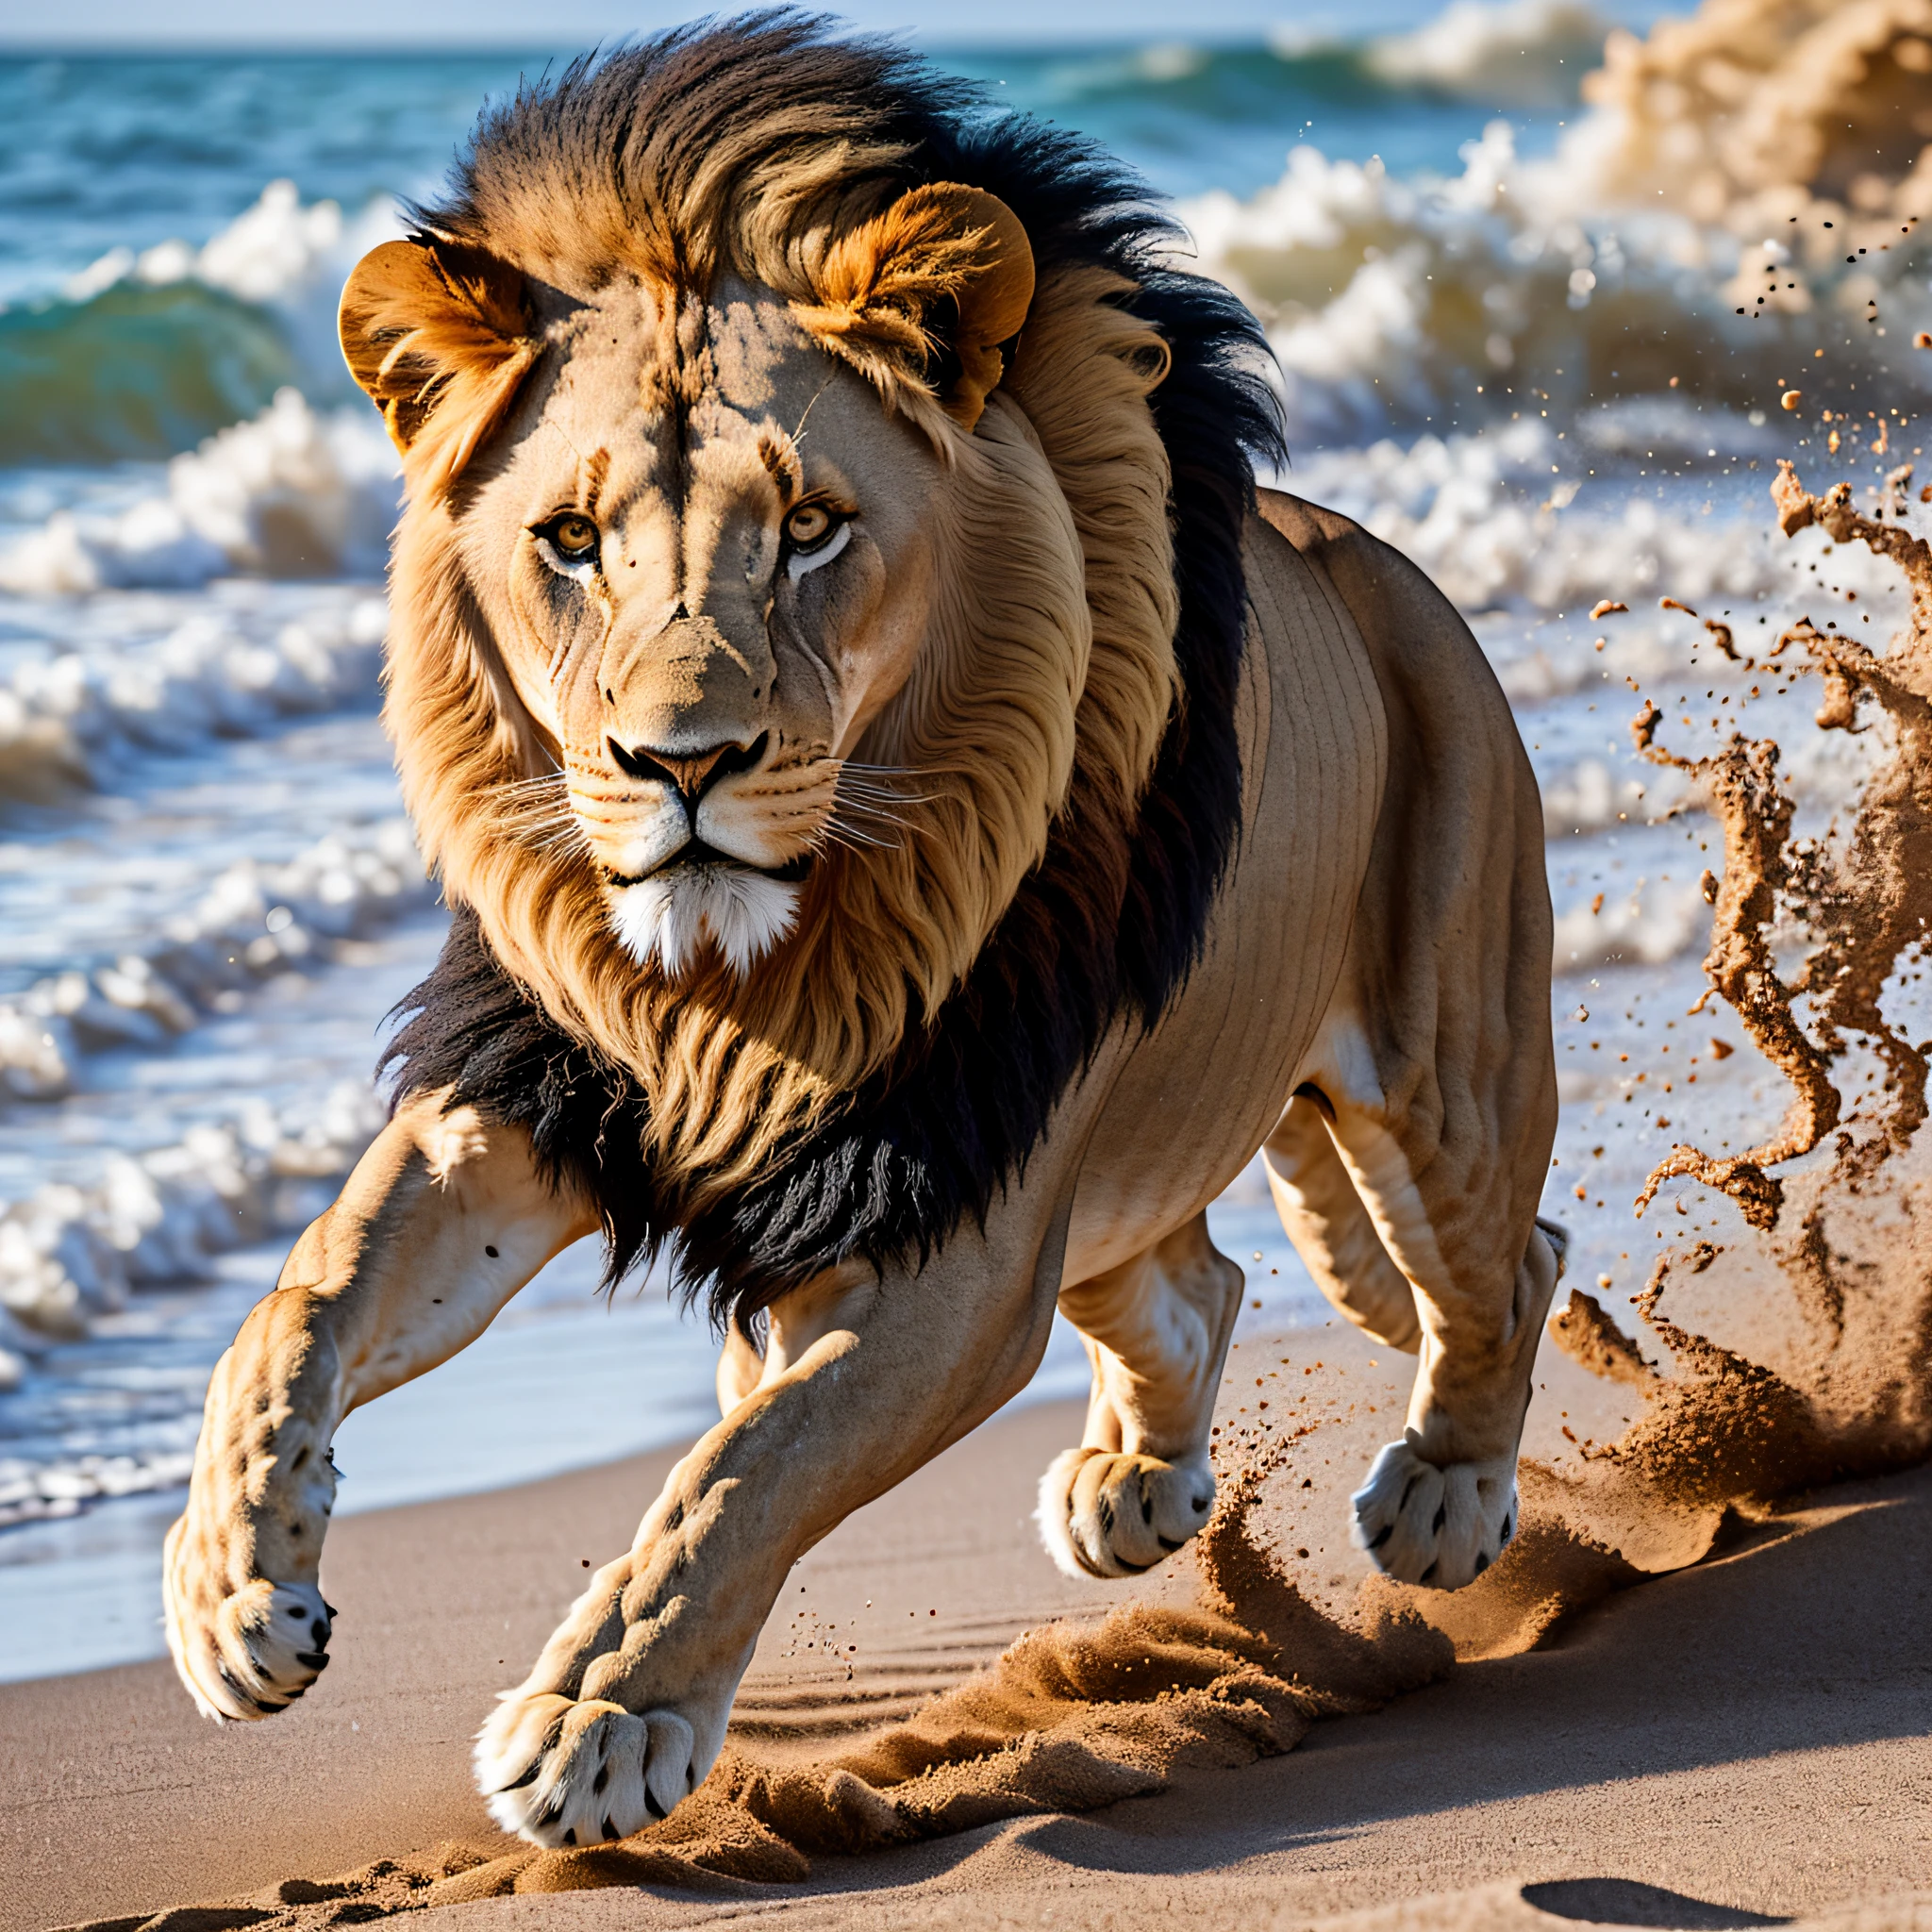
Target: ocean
(1541,342)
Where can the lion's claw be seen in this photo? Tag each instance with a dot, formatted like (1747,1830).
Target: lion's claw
(1113,1513)
(562,1772)
(1441,1527)
(244,1653)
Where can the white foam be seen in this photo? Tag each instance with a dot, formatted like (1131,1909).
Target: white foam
(60,714)
(1590,796)
(293,492)
(1528,53)
(1650,922)
(70,1252)
(1392,300)
(1502,518)
(255,922)
(275,250)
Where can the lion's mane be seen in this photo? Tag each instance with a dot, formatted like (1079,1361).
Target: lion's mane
(899,1057)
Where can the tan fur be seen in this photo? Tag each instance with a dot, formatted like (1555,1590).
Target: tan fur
(440,339)
(739,339)
(394,1280)
(1371,1006)
(874,287)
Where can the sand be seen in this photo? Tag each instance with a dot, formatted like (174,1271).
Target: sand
(1745,1736)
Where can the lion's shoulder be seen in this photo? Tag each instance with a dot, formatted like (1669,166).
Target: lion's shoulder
(1392,600)
(1433,674)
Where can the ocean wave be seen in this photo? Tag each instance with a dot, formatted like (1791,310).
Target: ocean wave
(1740,206)
(1650,922)
(134,372)
(68,1254)
(63,717)
(292,492)
(39,1492)
(1501,518)
(255,923)
(143,355)
(1527,53)
(1523,53)
(273,248)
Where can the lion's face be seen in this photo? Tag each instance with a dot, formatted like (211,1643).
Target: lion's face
(781,565)
(702,600)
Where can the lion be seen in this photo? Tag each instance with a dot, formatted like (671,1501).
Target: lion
(917,821)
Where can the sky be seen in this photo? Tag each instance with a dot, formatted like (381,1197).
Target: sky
(481,23)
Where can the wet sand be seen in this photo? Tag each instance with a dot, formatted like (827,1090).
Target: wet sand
(1745,1736)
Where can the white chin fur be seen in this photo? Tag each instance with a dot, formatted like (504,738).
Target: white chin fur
(672,915)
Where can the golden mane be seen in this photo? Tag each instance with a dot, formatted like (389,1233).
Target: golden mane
(1048,669)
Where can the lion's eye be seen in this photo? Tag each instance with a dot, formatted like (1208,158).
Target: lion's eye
(573,537)
(809,526)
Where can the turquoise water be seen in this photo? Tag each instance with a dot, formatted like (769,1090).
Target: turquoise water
(99,152)
(102,159)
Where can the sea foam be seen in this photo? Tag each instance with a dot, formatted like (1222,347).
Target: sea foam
(255,922)
(1522,53)
(294,493)
(142,354)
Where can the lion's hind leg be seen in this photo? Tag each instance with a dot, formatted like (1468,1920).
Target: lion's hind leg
(1442,1519)
(1440,1505)
(1323,1214)
(1140,1485)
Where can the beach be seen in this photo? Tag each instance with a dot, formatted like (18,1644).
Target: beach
(1632,367)
(1739,1743)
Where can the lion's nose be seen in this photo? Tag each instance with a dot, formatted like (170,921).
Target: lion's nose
(690,774)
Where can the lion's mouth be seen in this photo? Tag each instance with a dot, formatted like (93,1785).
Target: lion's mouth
(698,854)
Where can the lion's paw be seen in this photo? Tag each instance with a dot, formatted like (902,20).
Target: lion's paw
(243,1653)
(560,1770)
(1437,1527)
(1111,1513)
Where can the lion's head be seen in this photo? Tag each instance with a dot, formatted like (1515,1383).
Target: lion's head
(786,541)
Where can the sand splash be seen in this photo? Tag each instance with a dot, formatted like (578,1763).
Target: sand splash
(1072,1717)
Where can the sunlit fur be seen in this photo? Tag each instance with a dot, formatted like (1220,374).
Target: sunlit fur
(1047,665)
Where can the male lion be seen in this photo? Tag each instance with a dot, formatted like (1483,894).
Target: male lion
(916,827)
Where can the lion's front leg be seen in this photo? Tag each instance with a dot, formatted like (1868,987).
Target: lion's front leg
(863,1381)
(626,1710)
(246,1619)
(441,1221)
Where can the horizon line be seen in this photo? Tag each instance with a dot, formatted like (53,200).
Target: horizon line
(211,44)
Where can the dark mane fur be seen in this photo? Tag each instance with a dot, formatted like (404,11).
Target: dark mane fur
(934,1136)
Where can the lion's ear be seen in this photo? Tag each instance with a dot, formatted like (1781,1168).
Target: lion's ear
(944,273)
(439,337)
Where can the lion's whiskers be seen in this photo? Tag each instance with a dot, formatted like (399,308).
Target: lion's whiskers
(536,813)
(872,795)
(559,837)
(880,809)
(851,838)
(859,793)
